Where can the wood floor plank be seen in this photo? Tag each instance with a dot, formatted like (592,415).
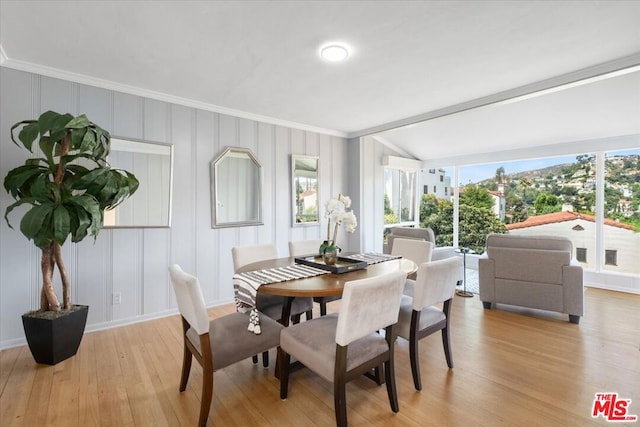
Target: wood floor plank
(513,366)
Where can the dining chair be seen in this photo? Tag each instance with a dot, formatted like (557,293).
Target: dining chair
(270,305)
(215,343)
(420,316)
(418,251)
(311,247)
(342,346)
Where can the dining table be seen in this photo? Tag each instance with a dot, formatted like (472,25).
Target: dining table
(323,285)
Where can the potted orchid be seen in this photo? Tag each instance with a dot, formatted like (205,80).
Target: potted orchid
(338,212)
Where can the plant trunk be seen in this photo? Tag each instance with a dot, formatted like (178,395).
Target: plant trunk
(57,256)
(335,234)
(50,300)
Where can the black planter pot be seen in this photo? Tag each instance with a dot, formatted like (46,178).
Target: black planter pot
(52,340)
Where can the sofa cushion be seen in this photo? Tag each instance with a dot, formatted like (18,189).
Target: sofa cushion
(531,265)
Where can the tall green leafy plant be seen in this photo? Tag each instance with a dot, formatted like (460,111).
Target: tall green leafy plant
(68,189)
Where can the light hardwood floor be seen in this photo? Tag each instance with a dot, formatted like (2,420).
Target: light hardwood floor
(513,366)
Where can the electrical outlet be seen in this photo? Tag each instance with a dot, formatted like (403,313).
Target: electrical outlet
(116,298)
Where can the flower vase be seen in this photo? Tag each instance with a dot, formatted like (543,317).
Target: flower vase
(330,257)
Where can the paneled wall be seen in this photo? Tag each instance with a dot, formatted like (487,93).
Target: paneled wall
(134,262)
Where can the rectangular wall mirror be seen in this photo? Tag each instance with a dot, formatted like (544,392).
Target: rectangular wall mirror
(236,189)
(304,183)
(152,164)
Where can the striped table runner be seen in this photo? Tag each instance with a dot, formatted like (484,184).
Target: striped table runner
(245,287)
(372,257)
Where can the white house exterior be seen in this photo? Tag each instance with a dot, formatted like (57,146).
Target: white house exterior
(622,242)
(436,182)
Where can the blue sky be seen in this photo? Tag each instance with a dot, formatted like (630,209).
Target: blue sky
(476,173)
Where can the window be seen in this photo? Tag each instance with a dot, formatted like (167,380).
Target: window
(446,191)
(425,189)
(622,211)
(399,196)
(581,254)
(441,178)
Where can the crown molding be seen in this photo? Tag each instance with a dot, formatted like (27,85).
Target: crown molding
(159,96)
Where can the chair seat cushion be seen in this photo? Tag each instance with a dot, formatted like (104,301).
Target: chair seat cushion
(271,305)
(428,316)
(231,342)
(313,343)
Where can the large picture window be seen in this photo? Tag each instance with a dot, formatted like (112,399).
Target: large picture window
(557,196)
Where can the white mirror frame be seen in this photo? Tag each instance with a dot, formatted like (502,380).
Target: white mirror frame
(309,161)
(251,193)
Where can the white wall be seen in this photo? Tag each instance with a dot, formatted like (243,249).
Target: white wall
(134,261)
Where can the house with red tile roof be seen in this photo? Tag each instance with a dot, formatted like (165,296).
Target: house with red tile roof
(621,249)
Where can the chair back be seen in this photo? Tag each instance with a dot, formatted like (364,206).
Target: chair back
(304,247)
(418,251)
(410,233)
(369,305)
(243,255)
(436,282)
(190,299)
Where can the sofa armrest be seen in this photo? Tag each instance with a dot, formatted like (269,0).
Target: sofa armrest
(487,279)
(573,290)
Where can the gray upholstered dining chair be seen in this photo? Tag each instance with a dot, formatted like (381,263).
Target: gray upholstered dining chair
(420,317)
(270,305)
(215,343)
(342,346)
(418,251)
(310,247)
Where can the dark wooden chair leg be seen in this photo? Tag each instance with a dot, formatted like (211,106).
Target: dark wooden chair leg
(187,357)
(309,314)
(447,349)
(186,368)
(265,359)
(255,359)
(574,319)
(389,370)
(414,355)
(207,380)
(390,378)
(323,308)
(284,361)
(339,385)
(340,403)
(486,305)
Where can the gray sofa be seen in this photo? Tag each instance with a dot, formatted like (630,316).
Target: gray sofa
(532,271)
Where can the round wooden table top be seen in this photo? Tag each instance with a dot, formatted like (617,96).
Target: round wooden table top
(325,284)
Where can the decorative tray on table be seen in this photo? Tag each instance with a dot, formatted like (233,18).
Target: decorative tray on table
(342,265)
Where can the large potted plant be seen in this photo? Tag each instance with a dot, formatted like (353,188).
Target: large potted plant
(66,189)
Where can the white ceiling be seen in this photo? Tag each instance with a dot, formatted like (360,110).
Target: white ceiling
(409,59)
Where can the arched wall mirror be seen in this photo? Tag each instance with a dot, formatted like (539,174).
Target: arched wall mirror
(152,164)
(304,189)
(236,189)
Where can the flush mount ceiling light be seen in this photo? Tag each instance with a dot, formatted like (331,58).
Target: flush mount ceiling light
(334,52)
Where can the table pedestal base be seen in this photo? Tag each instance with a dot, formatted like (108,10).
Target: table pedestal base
(465,294)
